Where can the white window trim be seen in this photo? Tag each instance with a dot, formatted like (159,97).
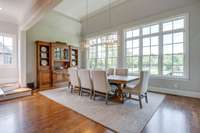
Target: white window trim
(14,64)
(186,76)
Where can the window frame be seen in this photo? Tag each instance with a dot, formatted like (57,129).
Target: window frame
(106,50)
(160,35)
(14,52)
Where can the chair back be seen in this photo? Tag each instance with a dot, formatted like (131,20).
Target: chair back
(144,81)
(121,71)
(99,80)
(73,76)
(110,71)
(85,79)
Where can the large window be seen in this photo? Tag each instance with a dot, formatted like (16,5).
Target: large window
(102,52)
(6,49)
(159,48)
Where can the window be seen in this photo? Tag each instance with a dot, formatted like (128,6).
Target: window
(101,54)
(159,48)
(6,49)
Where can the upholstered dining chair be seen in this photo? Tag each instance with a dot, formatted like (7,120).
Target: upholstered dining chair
(86,82)
(110,71)
(121,71)
(100,84)
(139,89)
(74,80)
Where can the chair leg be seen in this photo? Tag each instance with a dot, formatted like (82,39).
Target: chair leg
(81,91)
(146,97)
(94,96)
(106,98)
(140,101)
(72,89)
(91,94)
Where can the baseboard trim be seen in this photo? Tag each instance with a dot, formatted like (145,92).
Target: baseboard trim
(176,92)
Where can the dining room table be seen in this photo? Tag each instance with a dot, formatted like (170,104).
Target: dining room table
(121,82)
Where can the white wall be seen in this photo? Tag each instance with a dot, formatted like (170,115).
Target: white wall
(53,27)
(135,12)
(9,74)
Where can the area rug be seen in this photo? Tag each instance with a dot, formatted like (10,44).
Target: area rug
(123,118)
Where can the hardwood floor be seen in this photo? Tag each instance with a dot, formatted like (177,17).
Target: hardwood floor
(37,114)
(176,115)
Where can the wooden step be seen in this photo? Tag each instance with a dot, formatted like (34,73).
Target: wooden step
(14,93)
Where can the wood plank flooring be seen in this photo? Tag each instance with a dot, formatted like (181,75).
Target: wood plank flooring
(38,114)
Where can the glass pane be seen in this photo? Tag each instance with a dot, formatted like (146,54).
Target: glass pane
(8,44)
(178,37)
(145,67)
(136,43)
(154,70)
(136,33)
(178,60)
(135,64)
(154,60)
(1,44)
(136,51)
(146,41)
(99,40)
(146,30)
(167,49)
(146,50)
(167,26)
(178,74)
(167,60)
(155,40)
(167,70)
(178,48)
(146,60)
(167,39)
(129,34)
(154,50)
(178,69)
(154,29)
(101,63)
(129,52)
(129,44)
(178,24)
(1,59)
(129,62)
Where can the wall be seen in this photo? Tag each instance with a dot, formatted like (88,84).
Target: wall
(53,27)
(135,12)
(9,74)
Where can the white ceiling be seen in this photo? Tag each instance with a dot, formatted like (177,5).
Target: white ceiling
(77,8)
(14,10)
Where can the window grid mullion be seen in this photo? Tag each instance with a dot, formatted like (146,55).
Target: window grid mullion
(160,57)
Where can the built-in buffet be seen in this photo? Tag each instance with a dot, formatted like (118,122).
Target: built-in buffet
(53,61)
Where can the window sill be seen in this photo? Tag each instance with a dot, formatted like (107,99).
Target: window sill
(165,77)
(8,66)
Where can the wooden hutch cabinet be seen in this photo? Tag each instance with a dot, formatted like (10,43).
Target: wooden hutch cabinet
(53,61)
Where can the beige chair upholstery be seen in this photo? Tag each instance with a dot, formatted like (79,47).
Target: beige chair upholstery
(74,79)
(139,89)
(85,80)
(100,84)
(121,71)
(111,71)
